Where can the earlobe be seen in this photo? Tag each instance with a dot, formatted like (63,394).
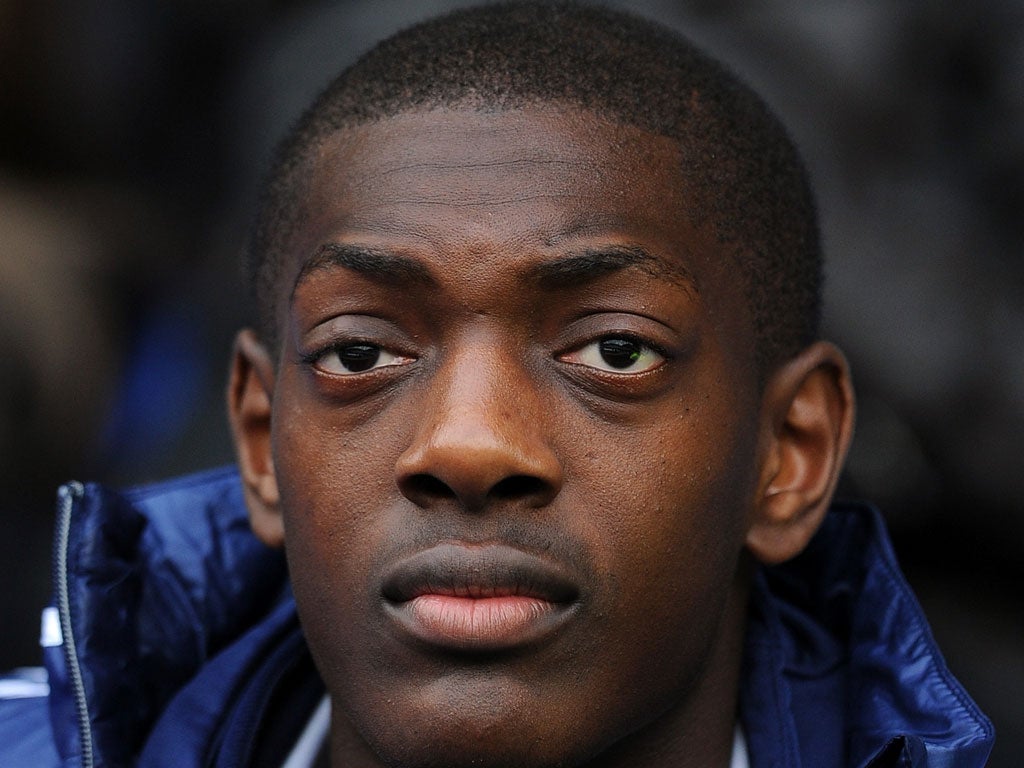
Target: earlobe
(806,428)
(250,398)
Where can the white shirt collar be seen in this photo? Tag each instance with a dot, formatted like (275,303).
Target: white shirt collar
(739,750)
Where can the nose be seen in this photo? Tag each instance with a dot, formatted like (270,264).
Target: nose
(480,440)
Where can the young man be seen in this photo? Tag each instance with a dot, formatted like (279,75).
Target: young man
(538,413)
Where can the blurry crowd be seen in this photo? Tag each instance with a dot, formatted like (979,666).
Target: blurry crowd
(133,134)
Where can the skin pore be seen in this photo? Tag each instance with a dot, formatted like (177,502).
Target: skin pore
(514,445)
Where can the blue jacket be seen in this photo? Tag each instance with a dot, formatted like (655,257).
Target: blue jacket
(179,646)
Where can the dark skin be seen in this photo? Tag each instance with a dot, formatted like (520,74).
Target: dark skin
(514,444)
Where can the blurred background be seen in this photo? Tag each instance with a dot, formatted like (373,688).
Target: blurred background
(133,134)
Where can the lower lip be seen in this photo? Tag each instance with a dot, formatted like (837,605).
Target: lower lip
(481,624)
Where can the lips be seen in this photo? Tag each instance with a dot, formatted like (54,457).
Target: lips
(478,598)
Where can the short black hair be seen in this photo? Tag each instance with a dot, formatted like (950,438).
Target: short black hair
(745,175)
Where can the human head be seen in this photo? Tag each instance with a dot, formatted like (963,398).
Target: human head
(746,176)
(514,439)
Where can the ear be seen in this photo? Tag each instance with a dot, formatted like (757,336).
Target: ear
(806,427)
(250,398)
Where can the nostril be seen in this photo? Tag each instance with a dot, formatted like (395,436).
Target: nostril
(428,486)
(518,486)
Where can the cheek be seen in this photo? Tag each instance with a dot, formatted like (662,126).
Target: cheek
(667,548)
(337,499)
(669,506)
(674,489)
(335,465)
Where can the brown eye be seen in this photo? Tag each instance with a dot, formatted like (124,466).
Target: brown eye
(351,359)
(617,354)
(620,353)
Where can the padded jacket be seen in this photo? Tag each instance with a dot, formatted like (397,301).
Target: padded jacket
(178,645)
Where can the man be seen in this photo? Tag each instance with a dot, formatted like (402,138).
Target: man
(538,413)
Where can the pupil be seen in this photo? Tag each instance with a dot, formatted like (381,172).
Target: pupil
(620,353)
(359,357)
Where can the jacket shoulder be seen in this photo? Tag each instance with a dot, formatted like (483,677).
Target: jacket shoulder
(25,734)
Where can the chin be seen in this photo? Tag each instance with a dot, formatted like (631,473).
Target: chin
(474,753)
(451,739)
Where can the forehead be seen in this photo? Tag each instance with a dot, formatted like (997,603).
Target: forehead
(506,187)
(481,146)
(489,160)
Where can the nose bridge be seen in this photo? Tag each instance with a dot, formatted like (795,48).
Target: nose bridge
(480,434)
(473,407)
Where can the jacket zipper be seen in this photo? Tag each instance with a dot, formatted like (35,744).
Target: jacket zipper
(69,494)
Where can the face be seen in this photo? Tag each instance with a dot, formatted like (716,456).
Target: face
(514,433)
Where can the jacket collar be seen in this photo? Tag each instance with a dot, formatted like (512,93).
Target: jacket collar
(841,667)
(150,585)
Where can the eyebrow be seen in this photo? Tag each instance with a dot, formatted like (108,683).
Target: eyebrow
(384,266)
(592,264)
(574,270)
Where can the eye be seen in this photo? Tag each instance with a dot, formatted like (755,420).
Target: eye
(616,354)
(360,357)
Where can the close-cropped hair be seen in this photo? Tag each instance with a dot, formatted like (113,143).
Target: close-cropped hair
(743,176)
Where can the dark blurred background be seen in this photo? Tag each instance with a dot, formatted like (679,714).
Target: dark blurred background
(133,134)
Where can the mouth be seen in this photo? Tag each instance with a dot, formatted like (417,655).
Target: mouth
(459,597)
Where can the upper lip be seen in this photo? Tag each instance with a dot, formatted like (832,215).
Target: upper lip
(480,571)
